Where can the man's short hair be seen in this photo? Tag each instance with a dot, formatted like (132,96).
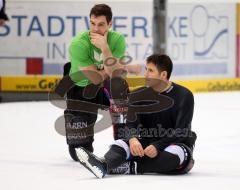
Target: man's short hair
(102,10)
(162,62)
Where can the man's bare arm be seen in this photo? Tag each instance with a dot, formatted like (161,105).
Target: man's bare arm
(94,75)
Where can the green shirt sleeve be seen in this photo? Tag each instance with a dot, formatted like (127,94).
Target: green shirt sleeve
(119,47)
(79,55)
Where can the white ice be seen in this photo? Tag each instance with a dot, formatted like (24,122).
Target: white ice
(33,156)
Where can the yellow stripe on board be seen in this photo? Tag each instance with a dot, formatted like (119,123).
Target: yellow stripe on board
(212,85)
(215,85)
(39,83)
(29,83)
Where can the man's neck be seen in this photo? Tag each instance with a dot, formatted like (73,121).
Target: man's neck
(162,87)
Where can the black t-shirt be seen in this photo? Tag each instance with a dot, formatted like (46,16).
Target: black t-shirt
(168,125)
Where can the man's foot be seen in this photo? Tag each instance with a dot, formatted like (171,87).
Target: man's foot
(72,151)
(128,167)
(91,162)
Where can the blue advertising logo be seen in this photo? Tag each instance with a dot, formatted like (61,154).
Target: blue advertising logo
(210,34)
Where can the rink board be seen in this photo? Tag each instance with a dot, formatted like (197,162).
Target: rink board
(39,83)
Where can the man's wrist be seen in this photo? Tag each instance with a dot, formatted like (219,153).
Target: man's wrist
(105,49)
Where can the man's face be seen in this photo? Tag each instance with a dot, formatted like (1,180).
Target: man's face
(153,76)
(99,24)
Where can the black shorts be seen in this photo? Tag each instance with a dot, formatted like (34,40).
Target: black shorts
(82,94)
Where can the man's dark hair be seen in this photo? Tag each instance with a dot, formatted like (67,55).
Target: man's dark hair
(162,62)
(102,10)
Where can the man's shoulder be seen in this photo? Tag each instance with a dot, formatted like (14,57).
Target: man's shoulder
(182,89)
(139,89)
(81,38)
(114,35)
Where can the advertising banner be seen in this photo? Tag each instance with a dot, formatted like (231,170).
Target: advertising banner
(44,30)
(202,40)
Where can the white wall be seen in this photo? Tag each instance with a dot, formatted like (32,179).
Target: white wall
(139,40)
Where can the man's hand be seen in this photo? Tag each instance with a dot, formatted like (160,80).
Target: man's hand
(136,147)
(150,151)
(134,69)
(100,41)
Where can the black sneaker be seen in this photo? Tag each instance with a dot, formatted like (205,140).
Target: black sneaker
(72,151)
(91,162)
(129,167)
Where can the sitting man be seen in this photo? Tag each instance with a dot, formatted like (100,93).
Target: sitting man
(160,141)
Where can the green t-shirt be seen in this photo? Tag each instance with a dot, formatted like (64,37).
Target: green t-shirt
(83,53)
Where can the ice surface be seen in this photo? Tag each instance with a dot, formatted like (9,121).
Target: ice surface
(34,156)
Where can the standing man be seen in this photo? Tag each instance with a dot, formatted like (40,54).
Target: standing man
(96,54)
(3,16)
(160,141)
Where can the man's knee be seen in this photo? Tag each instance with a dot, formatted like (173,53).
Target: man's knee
(185,155)
(79,128)
(121,143)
